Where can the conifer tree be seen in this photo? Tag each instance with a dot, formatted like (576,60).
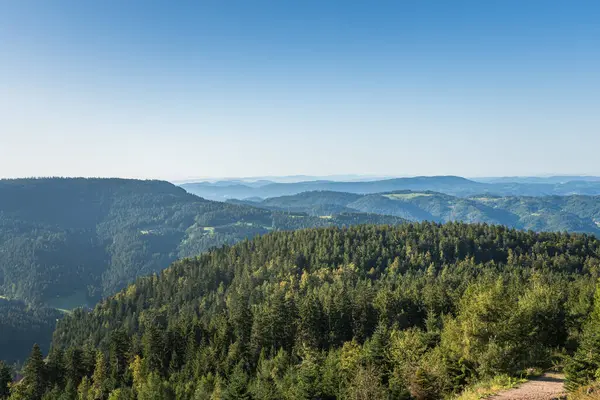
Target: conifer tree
(236,385)
(33,385)
(99,379)
(119,346)
(56,367)
(5,380)
(84,391)
(584,366)
(74,367)
(154,348)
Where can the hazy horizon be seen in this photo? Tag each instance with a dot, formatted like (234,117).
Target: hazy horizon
(176,91)
(306,178)
(352,177)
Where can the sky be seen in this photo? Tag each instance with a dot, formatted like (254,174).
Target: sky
(184,89)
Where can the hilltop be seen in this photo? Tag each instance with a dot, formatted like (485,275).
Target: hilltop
(413,311)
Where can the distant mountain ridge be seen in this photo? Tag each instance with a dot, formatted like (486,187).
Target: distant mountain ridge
(574,213)
(452,185)
(538,179)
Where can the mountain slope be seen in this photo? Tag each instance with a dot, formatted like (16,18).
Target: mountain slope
(66,242)
(317,203)
(21,326)
(392,312)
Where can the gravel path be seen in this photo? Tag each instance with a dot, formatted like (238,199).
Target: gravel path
(546,387)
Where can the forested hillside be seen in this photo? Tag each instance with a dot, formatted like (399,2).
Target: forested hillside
(575,213)
(20,326)
(417,310)
(67,242)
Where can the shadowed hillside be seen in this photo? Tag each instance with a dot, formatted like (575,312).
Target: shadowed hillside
(67,242)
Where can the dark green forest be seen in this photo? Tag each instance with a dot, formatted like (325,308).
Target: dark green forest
(22,325)
(68,242)
(413,311)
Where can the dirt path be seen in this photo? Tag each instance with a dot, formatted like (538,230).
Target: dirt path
(546,387)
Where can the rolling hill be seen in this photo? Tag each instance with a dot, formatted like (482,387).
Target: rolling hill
(21,326)
(67,242)
(574,213)
(413,311)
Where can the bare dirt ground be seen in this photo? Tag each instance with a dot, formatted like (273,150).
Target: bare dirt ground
(546,387)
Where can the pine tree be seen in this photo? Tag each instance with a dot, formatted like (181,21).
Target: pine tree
(74,366)
(263,386)
(56,367)
(311,328)
(154,348)
(121,394)
(154,388)
(584,366)
(375,347)
(34,381)
(308,384)
(237,385)
(70,391)
(99,379)
(119,346)
(5,380)
(365,385)
(84,390)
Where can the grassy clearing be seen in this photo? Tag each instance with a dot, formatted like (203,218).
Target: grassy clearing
(489,387)
(486,199)
(209,229)
(406,196)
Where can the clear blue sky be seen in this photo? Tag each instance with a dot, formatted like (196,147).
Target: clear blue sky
(174,89)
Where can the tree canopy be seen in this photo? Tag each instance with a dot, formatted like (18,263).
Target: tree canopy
(413,311)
